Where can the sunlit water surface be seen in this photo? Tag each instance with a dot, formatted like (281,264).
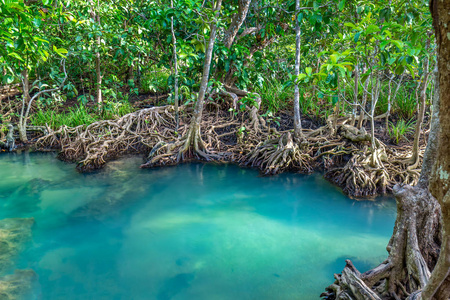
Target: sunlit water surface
(194,231)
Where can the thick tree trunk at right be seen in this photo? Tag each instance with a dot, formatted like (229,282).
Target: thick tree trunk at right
(438,287)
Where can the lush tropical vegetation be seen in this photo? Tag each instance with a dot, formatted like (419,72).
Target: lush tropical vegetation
(345,86)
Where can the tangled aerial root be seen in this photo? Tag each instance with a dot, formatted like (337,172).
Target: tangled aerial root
(371,172)
(99,142)
(189,147)
(278,155)
(349,163)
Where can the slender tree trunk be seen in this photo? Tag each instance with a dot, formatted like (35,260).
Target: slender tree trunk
(298,135)
(175,70)
(365,94)
(375,96)
(26,84)
(98,86)
(388,111)
(438,287)
(420,117)
(355,91)
(194,137)
(25,100)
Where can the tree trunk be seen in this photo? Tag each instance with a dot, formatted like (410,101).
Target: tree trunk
(365,94)
(26,85)
(25,100)
(98,86)
(193,140)
(298,135)
(175,70)
(230,36)
(421,113)
(438,287)
(236,23)
(355,92)
(375,96)
(414,245)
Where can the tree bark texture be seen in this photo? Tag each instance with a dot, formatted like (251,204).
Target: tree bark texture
(236,23)
(438,287)
(194,136)
(297,118)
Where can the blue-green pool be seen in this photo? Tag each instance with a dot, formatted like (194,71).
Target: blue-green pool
(194,231)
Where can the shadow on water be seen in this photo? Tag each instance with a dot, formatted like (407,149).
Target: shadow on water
(173,286)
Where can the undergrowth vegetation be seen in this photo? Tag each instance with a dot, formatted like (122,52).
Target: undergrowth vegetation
(79,115)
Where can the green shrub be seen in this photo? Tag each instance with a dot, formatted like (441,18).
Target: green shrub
(400,130)
(80,115)
(275,95)
(156,81)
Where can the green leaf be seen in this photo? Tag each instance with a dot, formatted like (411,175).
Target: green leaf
(349,25)
(372,28)
(8,79)
(335,99)
(308,70)
(37,22)
(62,51)
(15,55)
(341,5)
(316,5)
(301,77)
(39,39)
(383,44)
(357,35)
(333,58)
(397,43)
(300,17)
(399,70)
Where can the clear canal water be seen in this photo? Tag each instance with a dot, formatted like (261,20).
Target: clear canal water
(194,231)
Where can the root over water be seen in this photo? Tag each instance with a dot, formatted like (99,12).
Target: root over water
(349,162)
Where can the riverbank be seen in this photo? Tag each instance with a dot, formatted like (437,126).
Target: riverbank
(337,148)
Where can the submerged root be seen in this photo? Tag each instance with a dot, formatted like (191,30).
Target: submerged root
(275,156)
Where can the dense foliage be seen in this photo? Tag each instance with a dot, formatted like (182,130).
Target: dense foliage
(124,49)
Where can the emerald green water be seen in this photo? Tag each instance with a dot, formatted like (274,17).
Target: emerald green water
(194,231)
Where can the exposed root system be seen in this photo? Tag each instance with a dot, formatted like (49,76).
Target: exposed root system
(278,155)
(342,151)
(93,145)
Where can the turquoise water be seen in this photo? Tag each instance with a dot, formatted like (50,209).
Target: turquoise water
(194,231)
